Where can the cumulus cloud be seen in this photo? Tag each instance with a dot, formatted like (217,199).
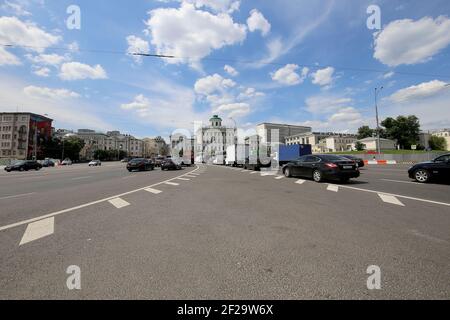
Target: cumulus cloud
(420,91)
(42,72)
(411,42)
(257,21)
(140,102)
(323,77)
(79,71)
(211,84)
(190,33)
(234,110)
(231,71)
(288,75)
(44,92)
(15,31)
(224,6)
(47,59)
(7,58)
(137,45)
(326,104)
(15,8)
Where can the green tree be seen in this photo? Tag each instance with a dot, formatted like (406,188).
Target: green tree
(51,148)
(365,132)
(359,146)
(403,129)
(72,148)
(438,143)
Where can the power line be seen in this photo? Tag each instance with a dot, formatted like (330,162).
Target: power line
(225,60)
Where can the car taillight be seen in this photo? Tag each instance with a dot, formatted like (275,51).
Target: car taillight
(331,165)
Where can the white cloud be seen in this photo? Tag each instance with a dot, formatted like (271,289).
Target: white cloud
(347,115)
(44,92)
(42,72)
(191,34)
(47,59)
(15,8)
(14,31)
(213,84)
(7,58)
(257,21)
(288,75)
(78,71)
(420,91)
(234,110)
(326,104)
(140,102)
(323,77)
(388,75)
(223,6)
(137,45)
(411,42)
(231,71)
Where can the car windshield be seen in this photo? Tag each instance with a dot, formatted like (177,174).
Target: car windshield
(136,160)
(18,163)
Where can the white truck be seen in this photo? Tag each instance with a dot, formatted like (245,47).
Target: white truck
(236,155)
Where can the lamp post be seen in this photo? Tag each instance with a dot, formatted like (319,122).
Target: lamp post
(68,135)
(377,91)
(235,140)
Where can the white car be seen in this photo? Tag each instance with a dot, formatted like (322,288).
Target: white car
(95,163)
(66,162)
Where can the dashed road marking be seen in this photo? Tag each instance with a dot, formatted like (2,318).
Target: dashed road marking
(390,199)
(172,183)
(184,179)
(154,191)
(301,181)
(81,178)
(17,196)
(333,188)
(400,181)
(38,230)
(253,172)
(279,177)
(119,203)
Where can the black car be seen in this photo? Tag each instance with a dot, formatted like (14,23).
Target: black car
(359,161)
(24,166)
(48,163)
(321,167)
(169,164)
(140,164)
(437,169)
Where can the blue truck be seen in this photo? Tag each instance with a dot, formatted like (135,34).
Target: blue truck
(287,154)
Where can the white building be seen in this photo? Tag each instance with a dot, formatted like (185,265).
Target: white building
(324,141)
(277,133)
(371,144)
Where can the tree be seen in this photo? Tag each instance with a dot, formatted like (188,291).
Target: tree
(438,143)
(359,146)
(403,129)
(365,132)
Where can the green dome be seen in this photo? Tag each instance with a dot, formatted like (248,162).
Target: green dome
(215,118)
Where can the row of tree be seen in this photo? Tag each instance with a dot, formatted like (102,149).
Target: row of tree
(109,155)
(405,130)
(57,148)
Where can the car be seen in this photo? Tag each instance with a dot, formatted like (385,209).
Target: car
(159,161)
(140,164)
(437,169)
(24,165)
(66,162)
(95,163)
(321,167)
(169,164)
(359,161)
(48,163)
(125,160)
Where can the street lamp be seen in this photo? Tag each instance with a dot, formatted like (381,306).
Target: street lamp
(377,91)
(68,135)
(235,140)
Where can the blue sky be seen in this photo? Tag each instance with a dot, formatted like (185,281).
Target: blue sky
(299,62)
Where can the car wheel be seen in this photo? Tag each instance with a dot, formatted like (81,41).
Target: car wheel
(8,170)
(317,176)
(422,175)
(21,169)
(287,173)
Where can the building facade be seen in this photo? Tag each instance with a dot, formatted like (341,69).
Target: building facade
(154,147)
(324,141)
(22,135)
(277,133)
(370,144)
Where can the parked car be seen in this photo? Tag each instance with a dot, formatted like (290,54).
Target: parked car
(48,163)
(159,161)
(359,161)
(95,163)
(66,162)
(437,169)
(24,166)
(140,164)
(321,167)
(169,164)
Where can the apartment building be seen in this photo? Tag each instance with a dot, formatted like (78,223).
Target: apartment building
(22,134)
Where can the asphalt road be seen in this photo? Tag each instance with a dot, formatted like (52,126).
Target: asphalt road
(213,232)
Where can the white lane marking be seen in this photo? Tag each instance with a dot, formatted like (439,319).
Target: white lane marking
(333,188)
(119,203)
(172,183)
(243,170)
(279,177)
(398,196)
(190,176)
(17,196)
(390,199)
(80,178)
(399,181)
(183,179)
(427,237)
(253,172)
(300,181)
(38,230)
(154,191)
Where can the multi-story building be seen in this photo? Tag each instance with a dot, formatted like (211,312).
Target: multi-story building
(125,142)
(444,133)
(154,147)
(22,135)
(324,141)
(93,141)
(212,141)
(277,133)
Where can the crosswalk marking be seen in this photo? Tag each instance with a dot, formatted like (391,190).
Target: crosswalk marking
(154,191)
(333,188)
(183,179)
(390,199)
(300,181)
(172,183)
(119,203)
(38,230)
